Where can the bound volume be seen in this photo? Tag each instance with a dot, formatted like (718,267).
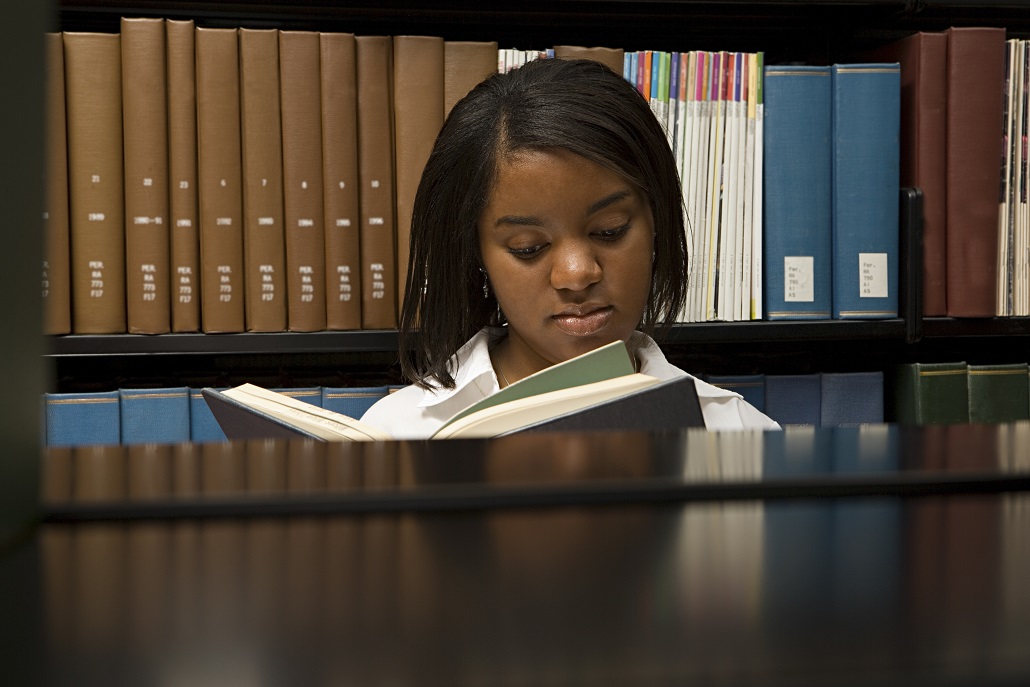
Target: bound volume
(595,391)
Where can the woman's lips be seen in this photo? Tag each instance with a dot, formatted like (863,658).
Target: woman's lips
(583,324)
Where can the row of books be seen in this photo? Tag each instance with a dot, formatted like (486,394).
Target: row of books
(958,392)
(225,180)
(913,394)
(827,399)
(167,415)
(180,414)
(964,100)
(710,104)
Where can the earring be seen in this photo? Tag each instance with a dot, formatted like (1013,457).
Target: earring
(486,284)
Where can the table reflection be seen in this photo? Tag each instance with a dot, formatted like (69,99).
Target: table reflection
(759,463)
(718,592)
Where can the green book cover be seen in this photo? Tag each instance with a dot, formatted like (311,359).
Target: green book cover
(606,362)
(998,393)
(932,394)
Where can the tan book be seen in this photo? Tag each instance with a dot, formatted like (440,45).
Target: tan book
(93,98)
(465,65)
(219,180)
(340,179)
(264,257)
(300,84)
(56,275)
(418,79)
(375,160)
(184,222)
(145,136)
(613,57)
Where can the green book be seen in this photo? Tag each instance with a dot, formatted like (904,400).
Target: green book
(606,362)
(932,394)
(999,393)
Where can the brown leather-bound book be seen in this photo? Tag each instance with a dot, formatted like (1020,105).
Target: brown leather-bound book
(184,226)
(56,283)
(93,98)
(219,180)
(924,93)
(465,65)
(375,160)
(976,81)
(300,83)
(613,57)
(264,261)
(418,69)
(340,179)
(145,136)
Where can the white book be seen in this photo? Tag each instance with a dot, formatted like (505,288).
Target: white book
(757,304)
(749,191)
(715,181)
(704,134)
(686,155)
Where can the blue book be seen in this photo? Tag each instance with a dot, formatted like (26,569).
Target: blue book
(793,399)
(851,398)
(797,219)
(87,419)
(351,401)
(159,416)
(751,387)
(866,169)
(204,427)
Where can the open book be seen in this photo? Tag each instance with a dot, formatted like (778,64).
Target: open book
(596,390)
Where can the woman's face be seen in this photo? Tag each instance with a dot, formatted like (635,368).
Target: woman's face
(568,246)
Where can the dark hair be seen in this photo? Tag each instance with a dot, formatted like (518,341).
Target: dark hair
(578,105)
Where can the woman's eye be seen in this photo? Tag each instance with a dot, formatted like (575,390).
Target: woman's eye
(526,253)
(612,234)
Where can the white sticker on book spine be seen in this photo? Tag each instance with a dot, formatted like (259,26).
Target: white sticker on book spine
(799,279)
(872,275)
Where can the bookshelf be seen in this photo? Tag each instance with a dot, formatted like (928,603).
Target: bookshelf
(818,31)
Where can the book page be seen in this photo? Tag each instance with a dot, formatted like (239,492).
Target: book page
(324,423)
(489,422)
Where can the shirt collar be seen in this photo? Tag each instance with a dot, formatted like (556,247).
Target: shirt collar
(470,364)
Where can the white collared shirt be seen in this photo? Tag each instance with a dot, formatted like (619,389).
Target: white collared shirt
(415,413)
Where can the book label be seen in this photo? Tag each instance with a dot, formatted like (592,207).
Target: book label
(872,275)
(798,278)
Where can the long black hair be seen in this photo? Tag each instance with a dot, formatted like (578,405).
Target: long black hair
(578,105)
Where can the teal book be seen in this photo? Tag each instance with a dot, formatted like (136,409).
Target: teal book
(204,427)
(932,394)
(794,399)
(998,393)
(351,401)
(160,416)
(86,419)
(750,387)
(797,213)
(850,398)
(866,120)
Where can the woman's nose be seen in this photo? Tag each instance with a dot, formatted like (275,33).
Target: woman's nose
(574,267)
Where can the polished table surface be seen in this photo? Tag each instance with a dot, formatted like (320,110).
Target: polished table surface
(875,556)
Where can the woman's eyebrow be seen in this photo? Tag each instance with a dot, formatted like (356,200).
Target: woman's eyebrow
(520,220)
(530,221)
(608,200)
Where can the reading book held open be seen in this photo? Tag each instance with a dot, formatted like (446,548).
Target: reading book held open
(596,390)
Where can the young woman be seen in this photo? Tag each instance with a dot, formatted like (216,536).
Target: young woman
(548,222)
